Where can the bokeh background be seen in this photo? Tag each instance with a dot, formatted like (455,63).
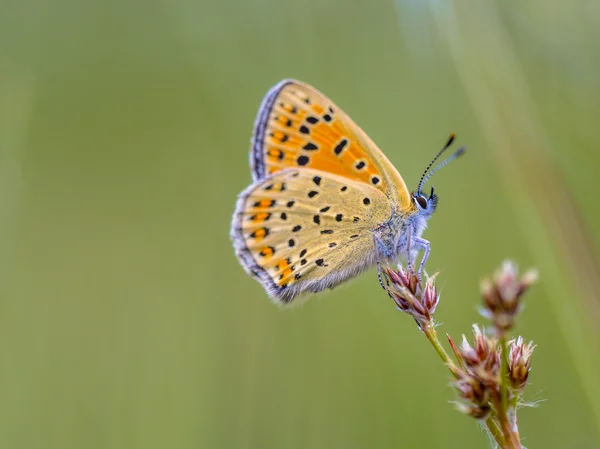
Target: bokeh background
(127,322)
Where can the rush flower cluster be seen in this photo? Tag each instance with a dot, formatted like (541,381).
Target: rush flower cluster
(502,295)
(479,378)
(410,296)
(519,363)
(491,372)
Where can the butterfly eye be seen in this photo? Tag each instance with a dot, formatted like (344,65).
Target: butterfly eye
(422,201)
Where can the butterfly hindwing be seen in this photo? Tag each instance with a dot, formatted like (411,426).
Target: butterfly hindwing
(306,230)
(299,127)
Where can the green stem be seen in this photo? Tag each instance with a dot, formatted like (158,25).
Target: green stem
(514,402)
(431,334)
(495,432)
(512,415)
(502,403)
(511,438)
(504,374)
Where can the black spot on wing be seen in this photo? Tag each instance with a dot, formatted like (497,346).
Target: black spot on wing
(302,160)
(340,146)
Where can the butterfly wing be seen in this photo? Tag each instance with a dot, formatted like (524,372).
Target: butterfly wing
(306,230)
(298,126)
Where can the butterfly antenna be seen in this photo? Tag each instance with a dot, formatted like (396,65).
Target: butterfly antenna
(423,178)
(445,162)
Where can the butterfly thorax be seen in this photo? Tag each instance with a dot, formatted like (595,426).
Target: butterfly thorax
(399,236)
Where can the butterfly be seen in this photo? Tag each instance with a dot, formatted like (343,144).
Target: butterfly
(325,203)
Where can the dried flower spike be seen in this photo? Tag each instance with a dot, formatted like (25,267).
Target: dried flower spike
(475,411)
(519,363)
(478,382)
(405,288)
(472,390)
(491,372)
(482,359)
(502,294)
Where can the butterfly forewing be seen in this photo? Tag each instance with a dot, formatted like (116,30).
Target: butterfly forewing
(297,126)
(307,230)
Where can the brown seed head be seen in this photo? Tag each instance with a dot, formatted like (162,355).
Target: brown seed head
(519,363)
(475,411)
(430,296)
(471,389)
(482,359)
(474,396)
(410,296)
(501,296)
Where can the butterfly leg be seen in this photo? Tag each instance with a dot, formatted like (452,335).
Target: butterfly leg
(382,251)
(409,261)
(383,285)
(379,275)
(422,244)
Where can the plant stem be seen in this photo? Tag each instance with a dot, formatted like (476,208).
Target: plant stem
(511,438)
(495,432)
(502,411)
(490,424)
(504,374)
(431,334)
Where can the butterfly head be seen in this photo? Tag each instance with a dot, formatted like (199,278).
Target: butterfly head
(425,205)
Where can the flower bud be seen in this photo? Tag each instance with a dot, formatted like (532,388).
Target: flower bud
(519,363)
(405,288)
(502,295)
(482,358)
(475,411)
(472,389)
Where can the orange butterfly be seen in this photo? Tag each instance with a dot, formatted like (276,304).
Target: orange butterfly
(326,204)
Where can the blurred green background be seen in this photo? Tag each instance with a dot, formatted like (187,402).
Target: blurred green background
(125,318)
